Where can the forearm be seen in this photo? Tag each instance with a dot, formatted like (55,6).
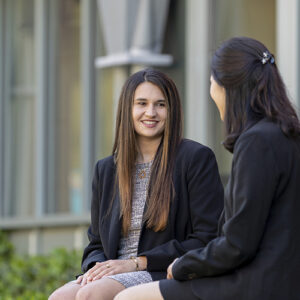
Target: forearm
(218,257)
(159,258)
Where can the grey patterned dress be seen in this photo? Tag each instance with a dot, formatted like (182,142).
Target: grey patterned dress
(128,245)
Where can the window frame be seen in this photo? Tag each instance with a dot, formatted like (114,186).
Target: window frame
(44,29)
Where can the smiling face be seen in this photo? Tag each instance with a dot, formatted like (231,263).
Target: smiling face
(218,94)
(149,111)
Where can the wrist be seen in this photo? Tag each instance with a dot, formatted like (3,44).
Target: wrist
(142,261)
(134,259)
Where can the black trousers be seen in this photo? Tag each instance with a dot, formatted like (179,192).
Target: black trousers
(177,290)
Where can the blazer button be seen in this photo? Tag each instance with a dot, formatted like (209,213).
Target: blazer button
(192,276)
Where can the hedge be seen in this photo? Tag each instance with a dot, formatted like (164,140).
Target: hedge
(34,277)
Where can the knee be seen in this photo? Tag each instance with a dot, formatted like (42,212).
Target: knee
(123,295)
(57,295)
(66,292)
(84,293)
(52,296)
(118,297)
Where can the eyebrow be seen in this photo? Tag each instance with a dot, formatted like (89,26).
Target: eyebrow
(145,99)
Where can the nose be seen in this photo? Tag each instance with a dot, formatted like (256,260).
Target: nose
(151,111)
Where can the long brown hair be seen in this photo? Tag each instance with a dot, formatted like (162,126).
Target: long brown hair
(254,88)
(160,188)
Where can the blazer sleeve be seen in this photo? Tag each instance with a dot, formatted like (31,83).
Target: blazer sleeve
(94,251)
(252,187)
(205,201)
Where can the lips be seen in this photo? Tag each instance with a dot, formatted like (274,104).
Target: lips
(149,123)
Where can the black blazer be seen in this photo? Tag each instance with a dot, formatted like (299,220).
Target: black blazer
(258,254)
(193,214)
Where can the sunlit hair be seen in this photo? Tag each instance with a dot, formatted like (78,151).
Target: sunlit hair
(161,189)
(254,89)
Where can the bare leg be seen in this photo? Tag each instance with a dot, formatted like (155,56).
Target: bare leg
(102,289)
(148,291)
(67,291)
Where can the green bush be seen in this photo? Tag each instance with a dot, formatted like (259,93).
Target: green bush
(34,277)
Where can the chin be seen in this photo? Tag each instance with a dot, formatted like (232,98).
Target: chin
(152,136)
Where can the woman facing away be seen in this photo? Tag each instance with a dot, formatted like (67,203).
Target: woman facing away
(257,254)
(157,197)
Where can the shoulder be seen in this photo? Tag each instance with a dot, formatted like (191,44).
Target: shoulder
(263,134)
(189,150)
(106,164)
(266,128)
(190,146)
(260,142)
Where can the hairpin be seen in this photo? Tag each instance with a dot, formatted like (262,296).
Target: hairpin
(267,57)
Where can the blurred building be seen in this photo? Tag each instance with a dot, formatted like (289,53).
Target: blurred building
(62,65)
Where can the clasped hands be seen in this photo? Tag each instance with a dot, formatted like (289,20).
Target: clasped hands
(106,268)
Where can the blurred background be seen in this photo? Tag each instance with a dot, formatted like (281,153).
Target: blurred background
(62,65)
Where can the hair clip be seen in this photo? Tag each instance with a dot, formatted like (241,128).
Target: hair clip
(267,57)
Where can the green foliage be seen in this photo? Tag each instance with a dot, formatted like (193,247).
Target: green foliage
(34,277)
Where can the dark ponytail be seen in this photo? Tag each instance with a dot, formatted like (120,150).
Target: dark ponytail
(254,88)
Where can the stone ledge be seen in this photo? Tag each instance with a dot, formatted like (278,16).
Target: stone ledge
(57,220)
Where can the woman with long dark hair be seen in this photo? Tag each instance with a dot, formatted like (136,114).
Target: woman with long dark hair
(157,197)
(257,253)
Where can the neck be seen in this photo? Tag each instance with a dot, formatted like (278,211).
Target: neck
(147,149)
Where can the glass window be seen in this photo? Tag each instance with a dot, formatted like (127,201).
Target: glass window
(105,114)
(20,118)
(105,106)
(65,182)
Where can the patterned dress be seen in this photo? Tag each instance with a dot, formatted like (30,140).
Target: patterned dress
(128,246)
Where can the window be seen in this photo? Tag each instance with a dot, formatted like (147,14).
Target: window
(43,36)
(19,106)
(65,176)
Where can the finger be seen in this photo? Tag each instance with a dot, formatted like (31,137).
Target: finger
(110,273)
(102,274)
(89,280)
(97,271)
(101,270)
(97,277)
(101,265)
(97,266)
(79,279)
(91,272)
(106,272)
(110,267)
(84,280)
(94,268)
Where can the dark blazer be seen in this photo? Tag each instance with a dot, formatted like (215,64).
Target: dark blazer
(258,254)
(193,214)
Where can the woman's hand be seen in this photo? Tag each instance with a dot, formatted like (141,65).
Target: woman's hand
(82,279)
(106,268)
(169,271)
